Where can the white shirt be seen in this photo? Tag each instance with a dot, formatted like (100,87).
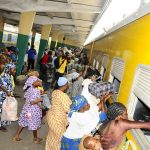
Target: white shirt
(82,123)
(85,92)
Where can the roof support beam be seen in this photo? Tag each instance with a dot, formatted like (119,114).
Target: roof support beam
(46,6)
(42,20)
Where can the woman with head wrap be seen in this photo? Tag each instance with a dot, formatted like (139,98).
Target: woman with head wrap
(6,89)
(31,113)
(82,120)
(57,115)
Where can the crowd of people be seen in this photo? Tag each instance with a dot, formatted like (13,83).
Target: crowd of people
(77,114)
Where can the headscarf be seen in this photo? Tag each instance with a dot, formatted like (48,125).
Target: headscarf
(9,66)
(78,103)
(62,81)
(75,75)
(29,82)
(6,78)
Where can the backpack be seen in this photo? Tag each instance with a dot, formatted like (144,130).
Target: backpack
(56,63)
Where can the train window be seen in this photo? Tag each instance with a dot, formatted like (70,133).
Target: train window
(97,65)
(117,84)
(116,74)
(102,71)
(146,1)
(104,65)
(94,62)
(5,37)
(13,38)
(139,103)
(9,38)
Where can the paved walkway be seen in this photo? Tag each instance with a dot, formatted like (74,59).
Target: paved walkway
(6,142)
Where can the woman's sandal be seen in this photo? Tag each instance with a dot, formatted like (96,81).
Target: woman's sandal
(37,140)
(3,129)
(15,139)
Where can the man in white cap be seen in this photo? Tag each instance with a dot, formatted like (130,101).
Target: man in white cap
(62,81)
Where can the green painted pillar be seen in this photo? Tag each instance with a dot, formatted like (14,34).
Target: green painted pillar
(63,45)
(46,29)
(25,26)
(1,38)
(42,47)
(22,43)
(53,43)
(59,44)
(1,30)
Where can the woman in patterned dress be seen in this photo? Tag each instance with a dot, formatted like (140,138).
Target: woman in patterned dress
(57,115)
(31,113)
(6,89)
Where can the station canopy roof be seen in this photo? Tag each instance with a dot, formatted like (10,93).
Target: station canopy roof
(74,18)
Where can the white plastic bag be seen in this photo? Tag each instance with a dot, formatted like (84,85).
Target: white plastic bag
(9,109)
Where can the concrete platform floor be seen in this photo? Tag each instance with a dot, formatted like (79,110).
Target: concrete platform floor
(6,142)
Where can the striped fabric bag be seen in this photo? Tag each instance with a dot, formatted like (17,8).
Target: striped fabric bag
(100,88)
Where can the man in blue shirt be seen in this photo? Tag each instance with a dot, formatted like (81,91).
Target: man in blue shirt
(31,57)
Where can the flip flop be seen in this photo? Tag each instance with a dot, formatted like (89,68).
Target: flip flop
(3,129)
(38,140)
(16,139)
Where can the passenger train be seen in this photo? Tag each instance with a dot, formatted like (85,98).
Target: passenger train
(123,58)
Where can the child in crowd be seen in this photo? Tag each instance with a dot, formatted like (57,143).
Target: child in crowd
(82,120)
(112,132)
(31,113)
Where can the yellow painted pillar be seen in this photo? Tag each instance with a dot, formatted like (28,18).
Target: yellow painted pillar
(25,26)
(60,40)
(33,36)
(54,39)
(91,53)
(1,30)
(46,29)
